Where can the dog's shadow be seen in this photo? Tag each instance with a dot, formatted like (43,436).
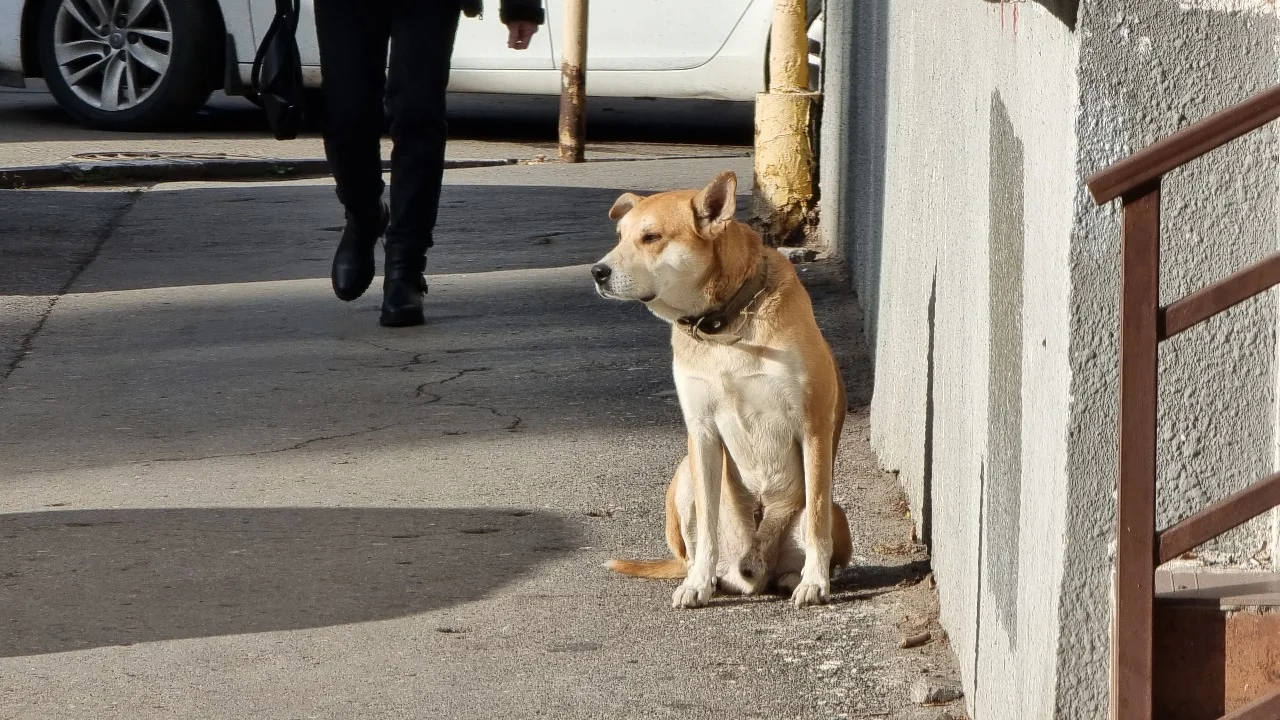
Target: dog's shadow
(849,584)
(863,582)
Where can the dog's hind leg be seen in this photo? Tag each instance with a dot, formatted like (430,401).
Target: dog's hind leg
(737,572)
(841,540)
(791,554)
(679,523)
(776,523)
(706,467)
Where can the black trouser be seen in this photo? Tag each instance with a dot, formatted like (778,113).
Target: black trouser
(353,37)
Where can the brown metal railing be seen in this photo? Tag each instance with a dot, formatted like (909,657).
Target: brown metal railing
(1144,324)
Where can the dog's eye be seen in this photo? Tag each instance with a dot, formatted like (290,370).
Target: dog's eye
(650,238)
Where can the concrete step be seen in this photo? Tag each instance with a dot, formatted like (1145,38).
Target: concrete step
(1217,641)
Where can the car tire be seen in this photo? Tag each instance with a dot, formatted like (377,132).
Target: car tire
(145,69)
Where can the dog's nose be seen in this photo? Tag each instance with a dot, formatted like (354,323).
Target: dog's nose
(601,272)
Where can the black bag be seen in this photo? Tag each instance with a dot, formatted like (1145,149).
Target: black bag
(277,72)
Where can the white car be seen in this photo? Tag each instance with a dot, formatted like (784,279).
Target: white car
(138,64)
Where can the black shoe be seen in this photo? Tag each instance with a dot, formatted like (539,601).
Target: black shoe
(353,262)
(403,287)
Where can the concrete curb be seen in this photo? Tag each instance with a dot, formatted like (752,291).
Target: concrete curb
(184,169)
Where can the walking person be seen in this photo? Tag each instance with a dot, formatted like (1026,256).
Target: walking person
(353,37)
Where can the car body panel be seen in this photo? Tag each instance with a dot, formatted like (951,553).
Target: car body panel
(655,34)
(726,67)
(711,49)
(481,43)
(261,12)
(11,35)
(238,19)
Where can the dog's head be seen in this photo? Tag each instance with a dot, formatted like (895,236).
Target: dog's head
(666,244)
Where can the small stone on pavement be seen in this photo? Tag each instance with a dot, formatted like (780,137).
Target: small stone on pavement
(917,640)
(935,691)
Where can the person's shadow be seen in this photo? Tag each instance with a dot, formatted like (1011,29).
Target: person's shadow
(71,580)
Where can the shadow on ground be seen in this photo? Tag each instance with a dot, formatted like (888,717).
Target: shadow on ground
(253,233)
(71,580)
(850,584)
(265,232)
(858,582)
(511,118)
(171,344)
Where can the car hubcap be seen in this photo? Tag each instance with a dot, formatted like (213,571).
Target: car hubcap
(113,53)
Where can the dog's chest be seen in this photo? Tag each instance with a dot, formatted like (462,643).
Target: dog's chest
(756,406)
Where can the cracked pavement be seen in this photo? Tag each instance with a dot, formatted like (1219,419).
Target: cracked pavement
(226,494)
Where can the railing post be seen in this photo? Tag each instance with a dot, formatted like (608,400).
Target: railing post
(1135,509)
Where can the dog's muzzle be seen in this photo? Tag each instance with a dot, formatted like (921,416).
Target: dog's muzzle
(601,273)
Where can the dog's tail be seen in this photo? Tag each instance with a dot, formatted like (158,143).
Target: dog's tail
(674,567)
(669,569)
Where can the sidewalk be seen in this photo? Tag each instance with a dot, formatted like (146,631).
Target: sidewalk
(228,495)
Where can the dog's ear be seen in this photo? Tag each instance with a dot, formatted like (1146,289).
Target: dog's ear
(623,205)
(716,202)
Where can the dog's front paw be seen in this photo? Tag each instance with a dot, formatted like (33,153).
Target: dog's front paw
(809,593)
(692,595)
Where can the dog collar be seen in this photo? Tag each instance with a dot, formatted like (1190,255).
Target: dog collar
(720,319)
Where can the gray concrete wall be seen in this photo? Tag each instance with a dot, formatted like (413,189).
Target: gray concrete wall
(990,286)
(959,201)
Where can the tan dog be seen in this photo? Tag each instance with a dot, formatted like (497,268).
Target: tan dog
(761,394)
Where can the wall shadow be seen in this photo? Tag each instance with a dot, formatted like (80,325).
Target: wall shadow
(1005,250)
(1065,10)
(71,580)
(867,89)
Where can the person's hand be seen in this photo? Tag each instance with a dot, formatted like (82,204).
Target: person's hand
(519,33)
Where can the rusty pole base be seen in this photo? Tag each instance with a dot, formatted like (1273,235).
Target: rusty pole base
(573,114)
(783,195)
(573,83)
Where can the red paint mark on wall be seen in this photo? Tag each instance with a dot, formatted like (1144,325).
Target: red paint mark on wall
(1014,19)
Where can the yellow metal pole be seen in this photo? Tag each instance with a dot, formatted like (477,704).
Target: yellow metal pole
(573,83)
(784,161)
(789,47)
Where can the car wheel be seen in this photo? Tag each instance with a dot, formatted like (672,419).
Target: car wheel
(128,64)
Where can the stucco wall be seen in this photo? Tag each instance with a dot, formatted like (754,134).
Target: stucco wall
(990,284)
(1147,68)
(958,218)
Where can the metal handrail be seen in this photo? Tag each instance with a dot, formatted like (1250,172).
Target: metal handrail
(1156,160)
(1144,324)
